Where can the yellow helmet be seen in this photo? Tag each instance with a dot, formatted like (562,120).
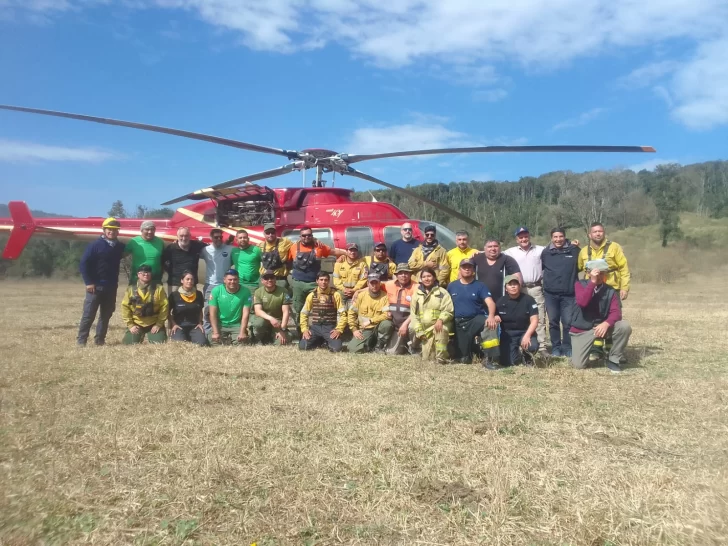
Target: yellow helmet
(111,223)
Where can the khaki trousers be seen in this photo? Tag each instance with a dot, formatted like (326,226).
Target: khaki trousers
(537,293)
(581,344)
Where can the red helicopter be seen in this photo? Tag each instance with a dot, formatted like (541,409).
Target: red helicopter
(242,204)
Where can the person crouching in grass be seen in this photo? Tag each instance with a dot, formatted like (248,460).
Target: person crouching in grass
(144,309)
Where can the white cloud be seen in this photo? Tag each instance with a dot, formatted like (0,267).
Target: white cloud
(651,164)
(581,119)
(470,40)
(14,151)
(418,135)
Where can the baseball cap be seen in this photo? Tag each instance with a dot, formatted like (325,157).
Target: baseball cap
(509,278)
(380,245)
(600,264)
(373,277)
(266,227)
(111,223)
(232,272)
(268,273)
(144,268)
(466,262)
(519,230)
(403,267)
(352,246)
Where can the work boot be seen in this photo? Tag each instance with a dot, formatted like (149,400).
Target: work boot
(492,366)
(614,367)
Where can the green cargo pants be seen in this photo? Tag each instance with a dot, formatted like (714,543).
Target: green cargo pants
(264,332)
(373,338)
(135,339)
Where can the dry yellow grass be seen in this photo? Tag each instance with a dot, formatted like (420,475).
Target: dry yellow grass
(172,445)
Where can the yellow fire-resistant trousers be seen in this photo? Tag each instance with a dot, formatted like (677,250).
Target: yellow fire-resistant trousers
(434,346)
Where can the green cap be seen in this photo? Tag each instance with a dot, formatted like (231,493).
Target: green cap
(509,278)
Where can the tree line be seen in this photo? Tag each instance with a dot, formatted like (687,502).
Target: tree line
(617,198)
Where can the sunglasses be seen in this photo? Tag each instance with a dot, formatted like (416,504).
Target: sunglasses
(306,235)
(406,229)
(430,234)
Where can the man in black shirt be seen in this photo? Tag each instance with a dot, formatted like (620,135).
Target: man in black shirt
(182,255)
(492,266)
(518,317)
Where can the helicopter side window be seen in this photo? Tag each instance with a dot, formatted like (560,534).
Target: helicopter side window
(324,235)
(391,234)
(363,237)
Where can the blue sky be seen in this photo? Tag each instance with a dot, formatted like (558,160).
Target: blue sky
(357,76)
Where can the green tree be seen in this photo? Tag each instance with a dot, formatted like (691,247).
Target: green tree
(668,195)
(117,210)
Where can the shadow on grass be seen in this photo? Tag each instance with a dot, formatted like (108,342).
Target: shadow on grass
(637,353)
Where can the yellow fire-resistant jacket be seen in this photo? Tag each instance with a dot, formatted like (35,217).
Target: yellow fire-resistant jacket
(427,308)
(367,311)
(284,244)
(133,302)
(619,275)
(338,302)
(455,256)
(439,256)
(392,266)
(352,275)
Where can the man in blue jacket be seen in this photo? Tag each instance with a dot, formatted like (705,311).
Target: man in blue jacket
(100,271)
(560,270)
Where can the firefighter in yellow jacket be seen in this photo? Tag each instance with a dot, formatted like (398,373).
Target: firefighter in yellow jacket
(430,254)
(432,316)
(380,263)
(350,274)
(368,318)
(599,248)
(144,309)
(323,317)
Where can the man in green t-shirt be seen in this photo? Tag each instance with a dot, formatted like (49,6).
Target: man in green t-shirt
(229,311)
(246,259)
(272,307)
(146,249)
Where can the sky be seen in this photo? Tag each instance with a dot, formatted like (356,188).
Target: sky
(355,76)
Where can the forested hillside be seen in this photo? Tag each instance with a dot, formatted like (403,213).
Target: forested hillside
(620,199)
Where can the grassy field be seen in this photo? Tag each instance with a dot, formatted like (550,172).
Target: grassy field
(180,445)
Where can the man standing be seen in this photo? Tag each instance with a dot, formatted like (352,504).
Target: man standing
(305,258)
(272,307)
(475,324)
(400,293)
(560,273)
(380,263)
(218,259)
(518,319)
(402,249)
(528,257)
(461,252)
(246,259)
(181,256)
(597,319)
(431,254)
(229,311)
(493,266)
(368,319)
(323,317)
(144,309)
(100,271)
(146,249)
(274,255)
(618,275)
(350,274)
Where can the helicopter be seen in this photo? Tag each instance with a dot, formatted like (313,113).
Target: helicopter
(241,203)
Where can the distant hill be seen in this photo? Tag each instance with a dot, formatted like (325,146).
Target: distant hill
(5,213)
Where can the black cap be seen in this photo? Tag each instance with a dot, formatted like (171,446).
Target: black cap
(145,268)
(233,272)
(268,273)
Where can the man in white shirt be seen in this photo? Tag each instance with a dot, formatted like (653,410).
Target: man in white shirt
(528,257)
(218,260)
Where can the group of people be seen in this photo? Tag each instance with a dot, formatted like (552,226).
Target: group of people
(413,297)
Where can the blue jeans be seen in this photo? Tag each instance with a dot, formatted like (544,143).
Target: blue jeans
(511,351)
(104,299)
(559,308)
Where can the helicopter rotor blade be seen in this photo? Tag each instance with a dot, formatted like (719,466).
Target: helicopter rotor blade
(353,172)
(290,154)
(354,158)
(296,165)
